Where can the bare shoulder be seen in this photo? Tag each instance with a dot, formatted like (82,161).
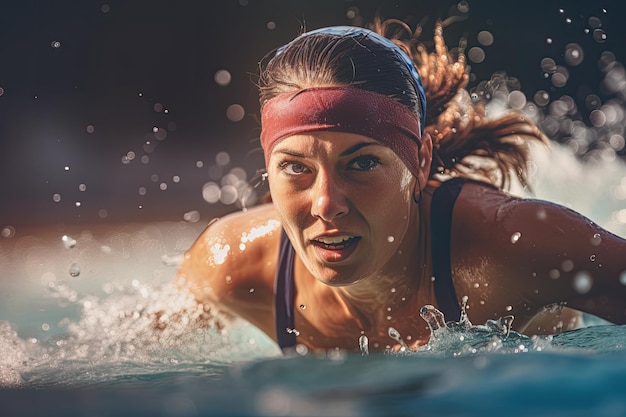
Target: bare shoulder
(234,257)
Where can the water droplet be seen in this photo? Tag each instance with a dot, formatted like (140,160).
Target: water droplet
(45,327)
(390,239)
(592,258)
(55,44)
(509,308)
(302,307)
(74,270)
(596,239)
(515,237)
(364,345)
(68,242)
(228,279)
(251,290)
(293,331)
(301,349)
(271,25)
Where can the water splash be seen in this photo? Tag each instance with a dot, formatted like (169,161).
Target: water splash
(136,330)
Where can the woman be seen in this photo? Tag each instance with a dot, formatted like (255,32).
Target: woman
(380,206)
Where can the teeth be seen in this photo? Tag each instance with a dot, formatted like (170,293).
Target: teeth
(333,240)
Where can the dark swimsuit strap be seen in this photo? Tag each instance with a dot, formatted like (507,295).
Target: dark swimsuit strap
(284,290)
(441,208)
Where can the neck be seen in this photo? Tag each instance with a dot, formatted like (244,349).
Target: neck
(393,295)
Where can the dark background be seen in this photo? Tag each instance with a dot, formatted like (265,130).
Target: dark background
(66,66)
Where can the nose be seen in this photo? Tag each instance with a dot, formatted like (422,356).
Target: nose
(328,200)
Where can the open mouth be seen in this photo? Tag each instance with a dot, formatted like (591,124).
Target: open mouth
(335,248)
(336,243)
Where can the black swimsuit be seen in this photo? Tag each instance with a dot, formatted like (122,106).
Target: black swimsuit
(442,205)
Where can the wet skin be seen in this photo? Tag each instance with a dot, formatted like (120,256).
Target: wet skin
(363,250)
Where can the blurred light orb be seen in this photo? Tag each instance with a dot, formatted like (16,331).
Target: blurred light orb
(352,12)
(8,232)
(593,102)
(541,98)
(160,133)
(597,118)
(229,194)
(485,38)
(192,216)
(222,77)
(476,54)
(599,35)
(463,6)
(55,44)
(548,65)
(235,112)
(271,25)
(594,22)
(211,192)
(583,282)
(573,54)
(617,142)
(560,77)
(517,99)
(222,158)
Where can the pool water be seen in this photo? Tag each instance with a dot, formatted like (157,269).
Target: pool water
(91,324)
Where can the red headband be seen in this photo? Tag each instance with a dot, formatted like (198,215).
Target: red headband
(343,109)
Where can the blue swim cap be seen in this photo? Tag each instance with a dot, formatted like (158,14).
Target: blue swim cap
(353,31)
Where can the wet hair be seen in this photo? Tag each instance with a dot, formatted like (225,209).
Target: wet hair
(465,142)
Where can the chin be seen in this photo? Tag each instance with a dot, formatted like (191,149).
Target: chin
(337,279)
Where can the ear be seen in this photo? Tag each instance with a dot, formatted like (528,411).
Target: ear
(425,158)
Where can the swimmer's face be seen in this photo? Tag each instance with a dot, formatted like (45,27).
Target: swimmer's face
(344,201)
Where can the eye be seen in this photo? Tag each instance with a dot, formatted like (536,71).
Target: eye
(364,163)
(292,168)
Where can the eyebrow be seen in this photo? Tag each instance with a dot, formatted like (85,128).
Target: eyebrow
(356,147)
(348,151)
